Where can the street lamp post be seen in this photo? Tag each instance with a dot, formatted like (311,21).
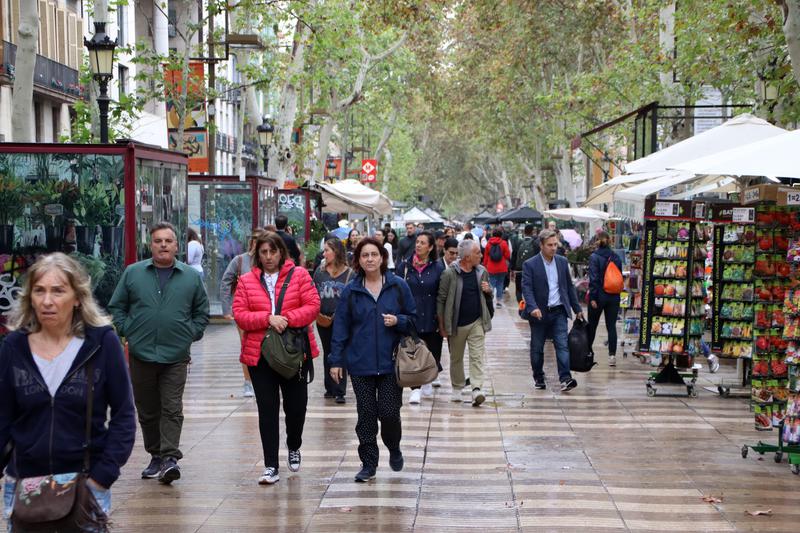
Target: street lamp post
(101,60)
(265,132)
(330,171)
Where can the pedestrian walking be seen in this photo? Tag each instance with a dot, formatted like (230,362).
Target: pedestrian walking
(600,301)
(463,309)
(526,248)
(422,274)
(160,307)
(391,238)
(227,288)
(194,252)
(450,252)
(380,236)
(550,300)
(331,279)
(283,229)
(406,246)
(374,311)
(275,279)
(352,241)
(496,262)
(59,337)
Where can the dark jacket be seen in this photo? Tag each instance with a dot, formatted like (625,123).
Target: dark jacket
(425,288)
(49,432)
(159,328)
(361,342)
(492,266)
(291,245)
(597,271)
(405,248)
(535,288)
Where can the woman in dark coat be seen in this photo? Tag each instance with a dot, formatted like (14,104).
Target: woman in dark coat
(422,273)
(601,302)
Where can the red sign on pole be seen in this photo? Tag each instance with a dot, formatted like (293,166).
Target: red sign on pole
(369,170)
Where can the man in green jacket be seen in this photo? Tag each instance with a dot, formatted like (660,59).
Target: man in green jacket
(160,307)
(463,308)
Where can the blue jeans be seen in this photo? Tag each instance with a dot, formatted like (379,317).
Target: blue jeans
(497,281)
(550,326)
(103,498)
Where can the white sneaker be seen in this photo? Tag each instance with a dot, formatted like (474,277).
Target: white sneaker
(612,360)
(477,397)
(269,477)
(713,363)
(436,383)
(247,390)
(415,397)
(427,390)
(456,396)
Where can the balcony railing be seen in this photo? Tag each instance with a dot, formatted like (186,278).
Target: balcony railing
(47,73)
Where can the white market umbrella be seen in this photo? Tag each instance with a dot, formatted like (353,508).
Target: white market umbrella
(604,193)
(738,131)
(775,156)
(578,214)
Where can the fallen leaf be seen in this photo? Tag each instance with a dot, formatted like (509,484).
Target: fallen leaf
(768,512)
(346,510)
(562,482)
(712,499)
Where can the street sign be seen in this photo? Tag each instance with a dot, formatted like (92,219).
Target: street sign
(369,170)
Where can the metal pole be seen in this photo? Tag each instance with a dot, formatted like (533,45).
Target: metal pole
(212,86)
(102,103)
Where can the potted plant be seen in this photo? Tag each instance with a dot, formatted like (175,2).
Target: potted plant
(95,206)
(11,208)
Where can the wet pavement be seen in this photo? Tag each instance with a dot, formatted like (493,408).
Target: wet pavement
(604,456)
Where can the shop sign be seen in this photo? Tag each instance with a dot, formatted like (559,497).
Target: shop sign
(743,215)
(666,209)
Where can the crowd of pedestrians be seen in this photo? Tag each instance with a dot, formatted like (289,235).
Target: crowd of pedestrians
(366,293)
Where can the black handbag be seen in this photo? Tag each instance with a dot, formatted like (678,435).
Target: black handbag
(285,352)
(61,502)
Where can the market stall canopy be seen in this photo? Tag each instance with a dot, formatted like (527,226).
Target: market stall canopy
(483,215)
(521,214)
(629,203)
(437,218)
(775,156)
(604,193)
(578,214)
(738,131)
(417,215)
(353,190)
(336,202)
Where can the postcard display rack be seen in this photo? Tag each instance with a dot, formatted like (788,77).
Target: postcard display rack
(673,295)
(631,303)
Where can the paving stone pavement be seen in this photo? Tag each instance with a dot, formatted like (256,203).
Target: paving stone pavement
(604,456)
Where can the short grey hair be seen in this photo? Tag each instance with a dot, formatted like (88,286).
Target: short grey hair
(465,247)
(546,234)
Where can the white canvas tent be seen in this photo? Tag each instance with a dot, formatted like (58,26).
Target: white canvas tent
(416,215)
(357,194)
(775,156)
(629,203)
(738,131)
(335,202)
(578,214)
(604,193)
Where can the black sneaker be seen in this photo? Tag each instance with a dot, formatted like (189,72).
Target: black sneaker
(294,460)
(340,399)
(568,385)
(170,471)
(466,382)
(153,469)
(328,395)
(365,474)
(396,461)
(541,385)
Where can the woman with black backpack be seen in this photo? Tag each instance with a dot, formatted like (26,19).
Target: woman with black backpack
(602,302)
(495,259)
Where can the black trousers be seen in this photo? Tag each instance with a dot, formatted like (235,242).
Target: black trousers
(331,387)
(377,398)
(267,384)
(158,394)
(518,285)
(433,341)
(610,309)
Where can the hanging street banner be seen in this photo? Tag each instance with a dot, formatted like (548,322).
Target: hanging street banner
(369,170)
(195,135)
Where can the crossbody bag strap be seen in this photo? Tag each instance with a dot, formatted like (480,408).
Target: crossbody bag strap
(279,304)
(89,405)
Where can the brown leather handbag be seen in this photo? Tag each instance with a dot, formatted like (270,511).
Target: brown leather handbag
(61,502)
(325,321)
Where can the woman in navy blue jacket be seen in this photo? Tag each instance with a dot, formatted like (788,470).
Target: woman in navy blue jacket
(422,273)
(374,311)
(601,302)
(59,333)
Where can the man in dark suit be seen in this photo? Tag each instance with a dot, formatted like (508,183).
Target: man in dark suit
(550,300)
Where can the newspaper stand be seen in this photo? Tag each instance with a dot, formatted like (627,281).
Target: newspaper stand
(673,308)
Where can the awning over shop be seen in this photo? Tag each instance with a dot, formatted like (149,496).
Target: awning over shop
(604,193)
(359,197)
(578,214)
(740,130)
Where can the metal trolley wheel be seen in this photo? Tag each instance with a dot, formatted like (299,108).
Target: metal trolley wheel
(745,449)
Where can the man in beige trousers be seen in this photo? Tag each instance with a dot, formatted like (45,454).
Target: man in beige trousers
(463,307)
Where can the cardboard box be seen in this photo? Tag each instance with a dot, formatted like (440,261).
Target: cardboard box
(789,196)
(766,192)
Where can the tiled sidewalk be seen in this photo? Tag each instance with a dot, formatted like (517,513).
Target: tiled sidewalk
(604,456)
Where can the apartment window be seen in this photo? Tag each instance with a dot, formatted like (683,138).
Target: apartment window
(123,80)
(122,23)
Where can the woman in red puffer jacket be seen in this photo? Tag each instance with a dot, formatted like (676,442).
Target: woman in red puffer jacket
(497,269)
(253,307)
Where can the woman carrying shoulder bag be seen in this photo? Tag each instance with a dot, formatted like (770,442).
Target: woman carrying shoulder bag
(331,279)
(255,307)
(375,310)
(59,337)
(600,301)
